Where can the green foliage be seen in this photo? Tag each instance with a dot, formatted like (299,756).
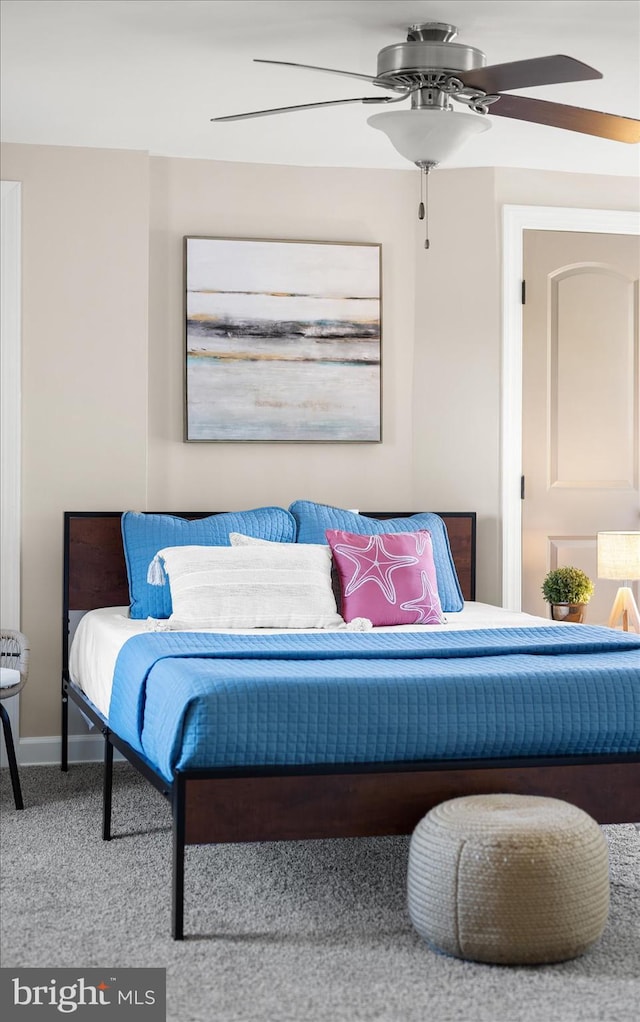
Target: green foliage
(567,585)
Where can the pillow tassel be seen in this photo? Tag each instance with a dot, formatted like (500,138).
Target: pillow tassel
(358,624)
(155,572)
(155,624)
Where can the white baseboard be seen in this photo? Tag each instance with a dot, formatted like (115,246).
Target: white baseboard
(46,751)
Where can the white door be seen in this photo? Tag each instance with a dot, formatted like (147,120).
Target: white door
(581,404)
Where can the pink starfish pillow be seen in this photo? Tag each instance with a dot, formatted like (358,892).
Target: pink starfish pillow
(389,578)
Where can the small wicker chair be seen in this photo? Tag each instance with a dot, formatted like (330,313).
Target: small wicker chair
(14,671)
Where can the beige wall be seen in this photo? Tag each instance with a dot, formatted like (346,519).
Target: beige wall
(583,191)
(457,360)
(103,341)
(84,371)
(245,200)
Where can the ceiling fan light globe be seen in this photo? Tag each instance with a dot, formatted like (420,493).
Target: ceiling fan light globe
(428,136)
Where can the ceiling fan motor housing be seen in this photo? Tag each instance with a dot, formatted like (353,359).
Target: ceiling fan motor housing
(426,50)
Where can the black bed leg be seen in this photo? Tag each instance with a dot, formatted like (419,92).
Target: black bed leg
(107,786)
(64,752)
(177,912)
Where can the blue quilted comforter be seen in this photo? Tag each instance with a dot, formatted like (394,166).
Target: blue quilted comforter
(191,700)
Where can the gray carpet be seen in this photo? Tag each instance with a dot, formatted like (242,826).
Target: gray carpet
(287,932)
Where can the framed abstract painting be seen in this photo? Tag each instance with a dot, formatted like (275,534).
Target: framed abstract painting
(282,340)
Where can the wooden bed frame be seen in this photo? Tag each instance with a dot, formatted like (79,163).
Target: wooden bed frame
(287,803)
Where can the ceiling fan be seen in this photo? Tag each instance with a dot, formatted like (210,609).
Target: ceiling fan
(431,71)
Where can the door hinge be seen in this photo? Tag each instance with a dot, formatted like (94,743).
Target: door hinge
(521,487)
(524,292)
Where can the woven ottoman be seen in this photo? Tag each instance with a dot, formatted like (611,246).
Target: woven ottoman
(508,879)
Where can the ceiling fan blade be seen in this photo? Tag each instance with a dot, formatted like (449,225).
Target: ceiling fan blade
(524,74)
(305,106)
(328,70)
(572,118)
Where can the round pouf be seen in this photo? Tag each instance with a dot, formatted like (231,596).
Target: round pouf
(508,879)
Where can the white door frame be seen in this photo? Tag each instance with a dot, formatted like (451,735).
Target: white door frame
(10,427)
(515,220)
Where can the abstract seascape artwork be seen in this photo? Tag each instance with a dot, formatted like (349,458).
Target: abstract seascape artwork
(282,341)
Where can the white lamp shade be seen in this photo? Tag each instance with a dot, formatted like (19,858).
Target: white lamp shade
(428,135)
(619,555)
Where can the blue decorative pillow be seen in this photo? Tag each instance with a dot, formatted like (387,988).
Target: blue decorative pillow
(314,520)
(144,534)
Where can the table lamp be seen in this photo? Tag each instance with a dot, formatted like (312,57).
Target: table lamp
(619,558)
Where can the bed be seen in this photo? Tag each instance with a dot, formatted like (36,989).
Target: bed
(556,711)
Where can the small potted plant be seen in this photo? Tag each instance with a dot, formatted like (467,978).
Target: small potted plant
(568,591)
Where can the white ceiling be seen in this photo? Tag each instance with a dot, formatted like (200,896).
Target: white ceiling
(149,75)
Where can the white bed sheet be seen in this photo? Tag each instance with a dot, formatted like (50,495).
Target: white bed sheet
(101,634)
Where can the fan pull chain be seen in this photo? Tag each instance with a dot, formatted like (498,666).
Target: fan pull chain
(425,176)
(423,207)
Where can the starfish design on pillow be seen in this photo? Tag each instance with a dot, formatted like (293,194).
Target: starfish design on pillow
(426,605)
(373,563)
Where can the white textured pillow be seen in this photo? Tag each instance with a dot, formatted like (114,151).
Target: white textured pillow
(277,585)
(239,539)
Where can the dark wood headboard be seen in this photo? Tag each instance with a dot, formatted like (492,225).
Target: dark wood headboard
(95,573)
